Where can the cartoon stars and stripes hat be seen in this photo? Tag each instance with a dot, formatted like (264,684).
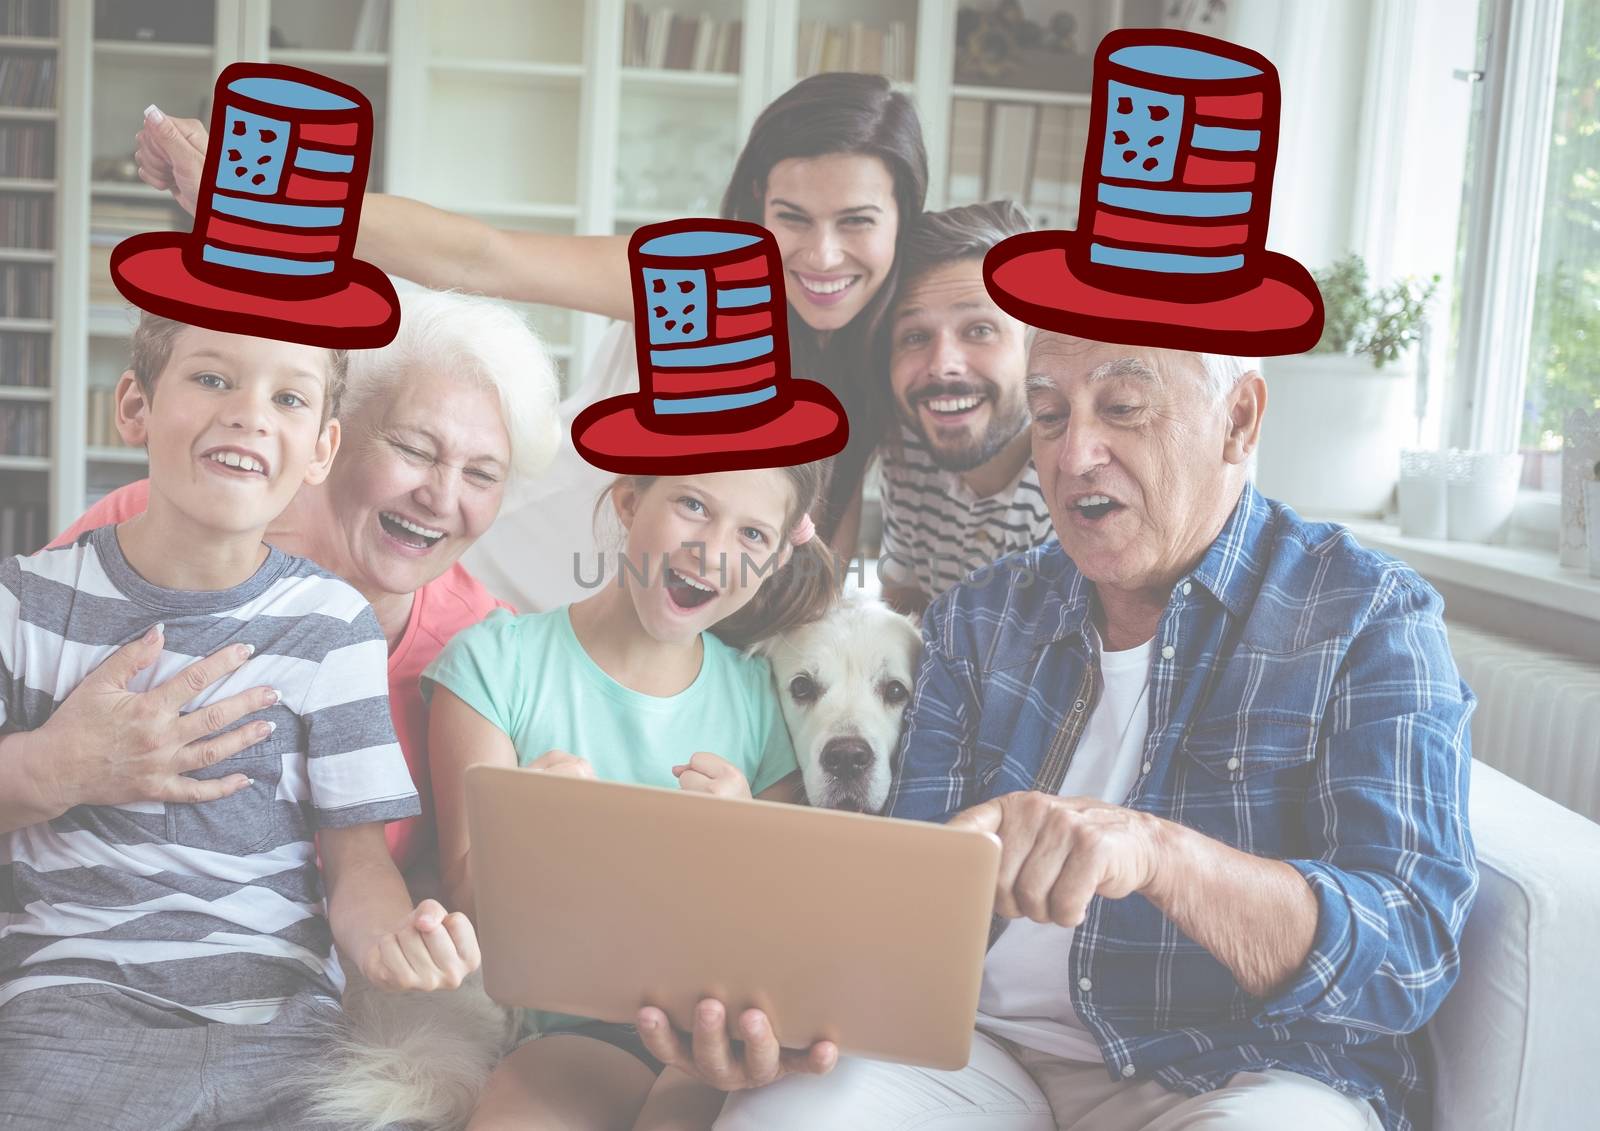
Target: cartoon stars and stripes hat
(711,332)
(272,251)
(1170,248)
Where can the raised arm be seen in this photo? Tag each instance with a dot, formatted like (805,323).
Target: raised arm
(429,245)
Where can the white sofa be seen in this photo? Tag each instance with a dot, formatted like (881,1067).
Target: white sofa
(1517,1041)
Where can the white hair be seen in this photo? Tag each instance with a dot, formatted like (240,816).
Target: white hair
(477,340)
(1224,371)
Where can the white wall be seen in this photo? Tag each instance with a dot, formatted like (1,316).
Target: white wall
(1320,50)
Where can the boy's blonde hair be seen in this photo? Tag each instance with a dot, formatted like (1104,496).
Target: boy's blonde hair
(152,345)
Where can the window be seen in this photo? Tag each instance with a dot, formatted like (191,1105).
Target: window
(1563,371)
(1527,310)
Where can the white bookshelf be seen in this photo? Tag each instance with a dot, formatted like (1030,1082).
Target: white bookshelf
(525,113)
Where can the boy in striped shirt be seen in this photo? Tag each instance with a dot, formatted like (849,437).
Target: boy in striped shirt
(165,962)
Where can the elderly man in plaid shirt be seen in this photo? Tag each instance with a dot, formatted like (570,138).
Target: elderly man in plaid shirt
(1226,753)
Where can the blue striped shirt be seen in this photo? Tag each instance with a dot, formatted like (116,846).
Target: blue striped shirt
(1304,706)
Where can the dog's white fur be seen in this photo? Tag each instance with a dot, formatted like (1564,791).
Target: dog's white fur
(415,1058)
(844,682)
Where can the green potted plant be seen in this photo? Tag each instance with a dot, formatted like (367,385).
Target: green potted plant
(1380,324)
(1339,414)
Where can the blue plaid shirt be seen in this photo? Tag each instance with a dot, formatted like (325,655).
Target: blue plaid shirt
(1304,706)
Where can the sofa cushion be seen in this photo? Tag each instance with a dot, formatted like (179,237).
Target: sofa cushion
(1515,1042)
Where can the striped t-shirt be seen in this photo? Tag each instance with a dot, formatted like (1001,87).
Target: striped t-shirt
(936,531)
(217,906)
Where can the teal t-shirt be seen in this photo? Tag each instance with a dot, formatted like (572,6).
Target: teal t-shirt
(530,677)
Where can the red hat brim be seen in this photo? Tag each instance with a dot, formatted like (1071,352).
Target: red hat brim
(150,272)
(1029,277)
(611,435)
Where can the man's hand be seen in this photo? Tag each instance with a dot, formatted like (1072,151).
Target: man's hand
(171,153)
(710,1056)
(430,950)
(562,763)
(109,746)
(707,773)
(1057,853)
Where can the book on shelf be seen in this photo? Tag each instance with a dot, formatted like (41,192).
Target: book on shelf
(24,528)
(100,423)
(24,429)
(967,150)
(27,220)
(1057,165)
(857,46)
(661,39)
(28,150)
(25,290)
(1009,168)
(24,359)
(28,19)
(28,81)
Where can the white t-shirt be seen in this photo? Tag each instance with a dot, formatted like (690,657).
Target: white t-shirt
(526,557)
(1025,996)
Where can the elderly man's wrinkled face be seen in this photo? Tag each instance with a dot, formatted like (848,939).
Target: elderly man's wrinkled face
(1139,464)
(421,477)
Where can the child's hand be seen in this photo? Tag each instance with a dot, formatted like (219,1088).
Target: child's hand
(431,950)
(560,762)
(707,773)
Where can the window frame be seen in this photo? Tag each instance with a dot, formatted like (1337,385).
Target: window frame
(1499,265)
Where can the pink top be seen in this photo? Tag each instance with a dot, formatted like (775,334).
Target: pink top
(444,606)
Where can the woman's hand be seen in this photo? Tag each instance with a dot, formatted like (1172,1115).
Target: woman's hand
(171,153)
(710,1057)
(109,746)
(560,762)
(707,773)
(431,950)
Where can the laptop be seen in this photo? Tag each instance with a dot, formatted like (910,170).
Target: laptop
(596,898)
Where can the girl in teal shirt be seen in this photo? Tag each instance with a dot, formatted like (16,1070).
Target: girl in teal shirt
(633,685)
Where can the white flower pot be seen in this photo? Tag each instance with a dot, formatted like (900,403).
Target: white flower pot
(1331,438)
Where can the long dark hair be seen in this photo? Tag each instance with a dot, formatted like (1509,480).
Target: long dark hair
(821,115)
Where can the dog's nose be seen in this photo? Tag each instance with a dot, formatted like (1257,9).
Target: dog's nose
(846,757)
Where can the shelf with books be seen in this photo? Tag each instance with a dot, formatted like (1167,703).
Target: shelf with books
(707,39)
(27,184)
(24,393)
(36,325)
(26,255)
(1019,151)
(875,38)
(29,43)
(24,463)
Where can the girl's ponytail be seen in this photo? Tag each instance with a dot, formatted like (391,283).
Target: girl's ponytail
(807,585)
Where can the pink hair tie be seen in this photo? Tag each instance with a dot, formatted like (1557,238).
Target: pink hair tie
(803,531)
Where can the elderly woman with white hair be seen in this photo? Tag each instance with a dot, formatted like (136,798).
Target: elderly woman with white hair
(438,426)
